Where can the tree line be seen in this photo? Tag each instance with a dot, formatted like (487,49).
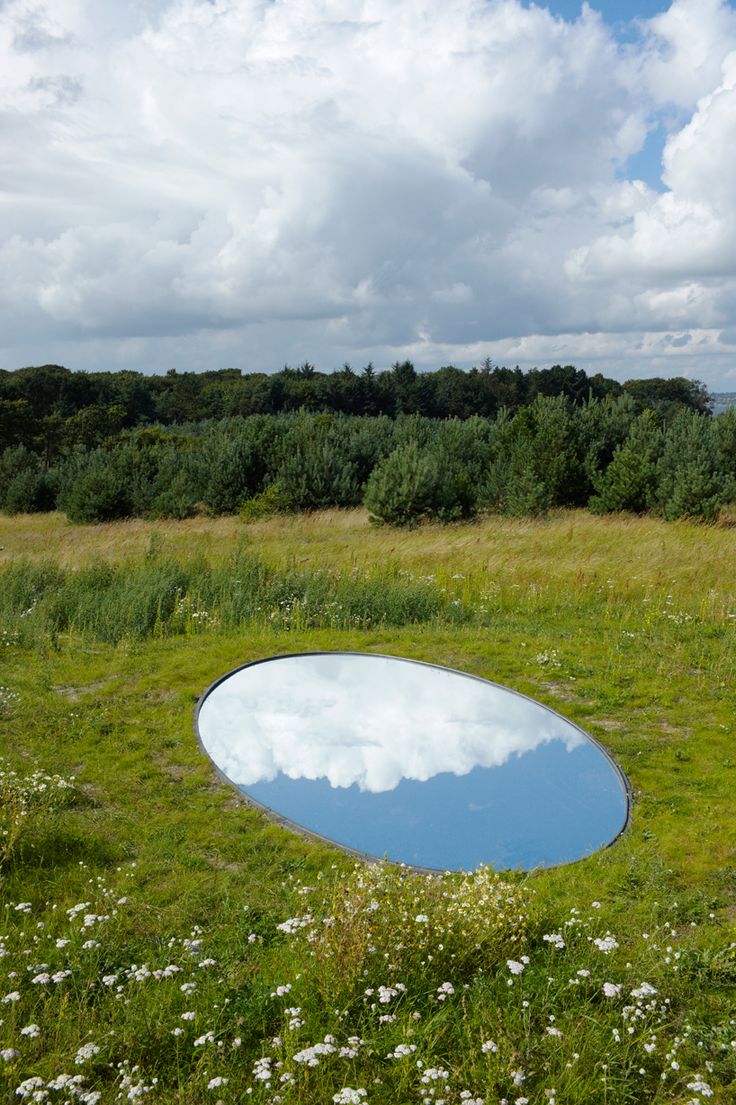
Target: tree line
(50,409)
(609,454)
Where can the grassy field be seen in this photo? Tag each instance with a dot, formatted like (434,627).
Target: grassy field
(161,894)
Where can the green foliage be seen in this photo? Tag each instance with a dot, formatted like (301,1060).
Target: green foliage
(233,470)
(426,928)
(25,486)
(100,492)
(552,452)
(669,397)
(630,480)
(535,459)
(273,500)
(28,802)
(178,488)
(315,469)
(411,484)
(693,482)
(161,597)
(604,426)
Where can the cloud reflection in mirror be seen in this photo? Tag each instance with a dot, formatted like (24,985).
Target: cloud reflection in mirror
(369,721)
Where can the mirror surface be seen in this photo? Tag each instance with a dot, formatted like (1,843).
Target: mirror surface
(418,763)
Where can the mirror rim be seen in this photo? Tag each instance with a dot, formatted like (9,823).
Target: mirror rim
(368,857)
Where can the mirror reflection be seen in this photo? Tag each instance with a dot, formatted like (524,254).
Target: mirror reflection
(422,764)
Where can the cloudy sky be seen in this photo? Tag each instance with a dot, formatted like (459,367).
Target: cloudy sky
(203,183)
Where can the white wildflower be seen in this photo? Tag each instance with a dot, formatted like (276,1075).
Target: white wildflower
(606,944)
(645,990)
(85,1052)
(401,1051)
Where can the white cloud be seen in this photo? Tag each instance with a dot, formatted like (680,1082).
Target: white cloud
(199,183)
(368,721)
(686,48)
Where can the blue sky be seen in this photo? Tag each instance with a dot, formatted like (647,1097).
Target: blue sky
(613,11)
(203,183)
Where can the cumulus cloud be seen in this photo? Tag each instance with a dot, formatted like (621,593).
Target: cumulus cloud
(347,179)
(367,720)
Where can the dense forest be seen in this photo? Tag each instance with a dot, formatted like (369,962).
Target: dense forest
(409,445)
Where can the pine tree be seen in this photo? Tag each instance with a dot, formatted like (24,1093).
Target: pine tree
(630,480)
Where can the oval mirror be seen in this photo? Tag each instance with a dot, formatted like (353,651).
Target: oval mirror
(418,763)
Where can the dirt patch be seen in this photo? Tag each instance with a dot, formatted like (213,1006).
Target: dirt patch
(75,693)
(560,690)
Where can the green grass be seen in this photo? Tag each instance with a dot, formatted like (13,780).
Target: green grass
(626,628)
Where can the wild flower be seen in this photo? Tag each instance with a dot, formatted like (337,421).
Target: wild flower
(386,993)
(555,939)
(434,1074)
(445,991)
(349,1096)
(262,1069)
(606,944)
(85,1052)
(215,1083)
(514,966)
(644,990)
(205,1038)
(489,1045)
(29,1086)
(699,1085)
(310,1056)
(401,1051)
(611,989)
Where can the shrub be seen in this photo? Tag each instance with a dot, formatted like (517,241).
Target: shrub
(630,480)
(232,471)
(411,484)
(424,927)
(24,485)
(100,492)
(316,469)
(693,482)
(273,500)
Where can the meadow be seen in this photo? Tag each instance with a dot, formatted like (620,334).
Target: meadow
(161,941)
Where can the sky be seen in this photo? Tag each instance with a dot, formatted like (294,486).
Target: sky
(197,184)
